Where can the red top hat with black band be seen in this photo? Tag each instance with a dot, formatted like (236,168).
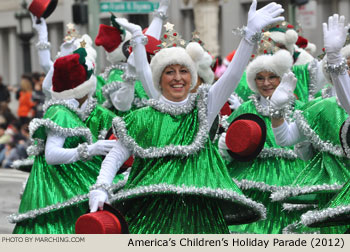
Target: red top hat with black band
(246,137)
(42,8)
(107,221)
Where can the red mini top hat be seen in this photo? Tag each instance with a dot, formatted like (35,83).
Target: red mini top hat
(302,42)
(107,221)
(42,8)
(245,137)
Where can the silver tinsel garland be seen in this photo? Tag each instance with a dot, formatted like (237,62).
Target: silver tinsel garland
(224,123)
(312,68)
(83,152)
(36,123)
(292,229)
(162,15)
(297,207)
(291,191)
(18,217)
(343,137)
(102,135)
(224,194)
(316,216)
(107,71)
(327,92)
(139,103)
(340,68)
(41,45)
(317,142)
(120,130)
(277,152)
(286,111)
(83,115)
(243,33)
(245,184)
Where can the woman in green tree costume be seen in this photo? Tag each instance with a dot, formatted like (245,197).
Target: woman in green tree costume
(67,153)
(275,166)
(336,213)
(178,182)
(328,169)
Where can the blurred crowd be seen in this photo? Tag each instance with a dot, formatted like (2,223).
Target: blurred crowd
(14,132)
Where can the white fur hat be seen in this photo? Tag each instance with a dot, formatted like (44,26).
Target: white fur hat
(288,38)
(172,56)
(202,60)
(279,63)
(311,48)
(304,57)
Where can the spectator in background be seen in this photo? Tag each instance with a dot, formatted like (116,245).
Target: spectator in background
(25,107)
(6,116)
(4,92)
(38,95)
(220,68)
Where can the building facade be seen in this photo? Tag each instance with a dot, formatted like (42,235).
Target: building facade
(231,14)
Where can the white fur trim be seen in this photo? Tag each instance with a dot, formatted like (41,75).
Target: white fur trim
(203,61)
(288,39)
(311,48)
(77,92)
(279,63)
(172,56)
(304,57)
(117,54)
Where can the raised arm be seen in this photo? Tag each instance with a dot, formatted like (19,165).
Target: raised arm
(224,87)
(155,28)
(334,36)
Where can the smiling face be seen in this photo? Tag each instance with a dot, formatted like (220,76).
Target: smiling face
(266,83)
(175,82)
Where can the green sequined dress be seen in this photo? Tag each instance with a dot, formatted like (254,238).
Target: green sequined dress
(56,195)
(275,166)
(178,183)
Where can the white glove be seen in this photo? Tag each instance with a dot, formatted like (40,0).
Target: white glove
(163,6)
(284,92)
(134,29)
(223,148)
(41,28)
(101,147)
(234,102)
(334,36)
(97,198)
(67,47)
(258,19)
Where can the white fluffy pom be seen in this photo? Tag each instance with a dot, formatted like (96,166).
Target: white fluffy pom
(291,36)
(195,50)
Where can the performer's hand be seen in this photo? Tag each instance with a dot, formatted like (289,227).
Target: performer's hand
(284,92)
(223,147)
(101,147)
(234,102)
(134,29)
(258,19)
(334,36)
(97,198)
(40,28)
(163,6)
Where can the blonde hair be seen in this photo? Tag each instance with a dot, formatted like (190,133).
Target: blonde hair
(26,85)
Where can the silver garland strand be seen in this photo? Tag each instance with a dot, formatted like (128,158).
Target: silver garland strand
(312,68)
(163,16)
(35,124)
(22,162)
(139,103)
(18,217)
(120,130)
(286,112)
(297,207)
(316,216)
(224,123)
(224,194)
(107,71)
(277,152)
(243,33)
(105,187)
(317,142)
(83,152)
(245,184)
(339,69)
(292,229)
(141,39)
(41,45)
(327,92)
(129,78)
(102,135)
(343,137)
(290,191)
(83,115)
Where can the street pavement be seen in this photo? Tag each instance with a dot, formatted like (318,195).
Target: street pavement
(11,184)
